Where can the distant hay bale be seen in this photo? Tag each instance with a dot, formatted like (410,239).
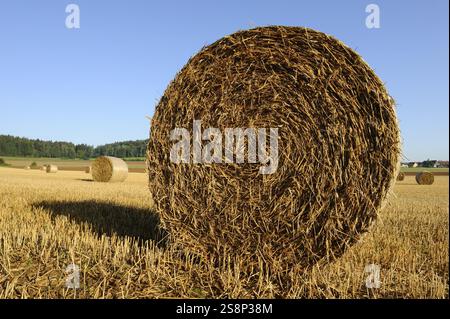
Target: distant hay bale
(44,167)
(87,170)
(425,178)
(339,150)
(27,167)
(109,169)
(52,169)
(400,176)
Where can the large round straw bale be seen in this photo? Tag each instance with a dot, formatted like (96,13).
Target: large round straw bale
(425,178)
(338,146)
(109,169)
(400,176)
(51,169)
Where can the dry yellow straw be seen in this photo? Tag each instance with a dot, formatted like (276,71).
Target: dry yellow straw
(109,169)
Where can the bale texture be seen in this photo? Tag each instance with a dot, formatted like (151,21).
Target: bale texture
(425,178)
(51,169)
(109,169)
(400,176)
(339,150)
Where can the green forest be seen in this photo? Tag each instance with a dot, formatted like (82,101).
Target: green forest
(24,147)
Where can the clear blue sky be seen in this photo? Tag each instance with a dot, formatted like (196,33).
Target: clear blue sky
(96,84)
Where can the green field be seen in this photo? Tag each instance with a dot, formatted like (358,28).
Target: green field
(419,169)
(21,162)
(134,159)
(137,163)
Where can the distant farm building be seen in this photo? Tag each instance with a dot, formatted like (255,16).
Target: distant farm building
(442,164)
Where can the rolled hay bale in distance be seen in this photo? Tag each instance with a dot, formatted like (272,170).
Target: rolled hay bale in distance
(44,167)
(425,178)
(109,169)
(87,170)
(338,151)
(52,169)
(27,167)
(400,176)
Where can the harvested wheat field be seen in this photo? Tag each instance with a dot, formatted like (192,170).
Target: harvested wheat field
(48,221)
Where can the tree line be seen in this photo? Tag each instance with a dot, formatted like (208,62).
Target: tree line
(24,147)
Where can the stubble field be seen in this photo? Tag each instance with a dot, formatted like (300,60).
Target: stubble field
(49,221)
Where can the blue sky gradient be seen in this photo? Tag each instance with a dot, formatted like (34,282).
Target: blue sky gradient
(96,84)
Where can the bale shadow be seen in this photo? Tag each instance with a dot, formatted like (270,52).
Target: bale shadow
(84,179)
(107,219)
